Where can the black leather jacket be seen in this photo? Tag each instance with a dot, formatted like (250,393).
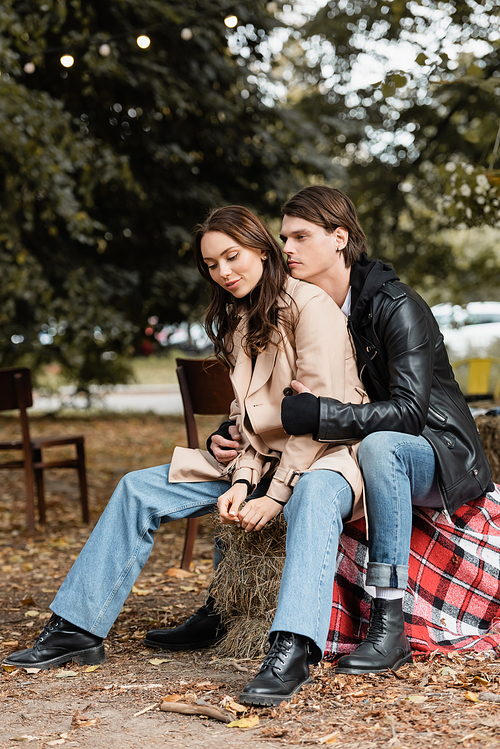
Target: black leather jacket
(404,366)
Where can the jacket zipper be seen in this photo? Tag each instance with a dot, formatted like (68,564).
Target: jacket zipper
(438,415)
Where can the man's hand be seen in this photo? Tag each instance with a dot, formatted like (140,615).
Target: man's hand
(257,513)
(226,450)
(229,503)
(299,387)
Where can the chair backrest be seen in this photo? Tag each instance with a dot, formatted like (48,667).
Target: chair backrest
(15,392)
(479,378)
(205,389)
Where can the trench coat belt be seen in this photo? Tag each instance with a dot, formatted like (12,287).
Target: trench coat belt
(288,477)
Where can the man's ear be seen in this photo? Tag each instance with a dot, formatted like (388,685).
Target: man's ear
(342,237)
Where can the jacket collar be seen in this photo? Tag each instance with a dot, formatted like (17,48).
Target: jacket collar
(367,277)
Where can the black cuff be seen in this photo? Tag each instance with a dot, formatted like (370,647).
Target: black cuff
(300,414)
(244,481)
(223,430)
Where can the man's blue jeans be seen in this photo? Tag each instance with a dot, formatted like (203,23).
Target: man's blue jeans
(398,470)
(102,577)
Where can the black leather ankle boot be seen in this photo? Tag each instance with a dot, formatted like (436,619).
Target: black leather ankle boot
(60,642)
(385,645)
(283,672)
(202,629)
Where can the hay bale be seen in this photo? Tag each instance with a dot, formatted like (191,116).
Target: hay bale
(489,429)
(246,585)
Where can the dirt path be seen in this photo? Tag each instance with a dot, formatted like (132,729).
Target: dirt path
(436,702)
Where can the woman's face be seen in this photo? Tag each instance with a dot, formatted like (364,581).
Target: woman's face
(237,269)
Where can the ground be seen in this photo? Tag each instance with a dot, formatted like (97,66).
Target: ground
(437,701)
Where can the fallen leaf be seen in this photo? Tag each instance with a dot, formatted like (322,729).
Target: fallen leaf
(24,737)
(10,643)
(30,601)
(92,668)
(177,572)
(418,698)
(32,670)
(9,669)
(472,697)
(329,738)
(250,722)
(55,742)
(187,588)
(31,612)
(235,707)
(66,674)
(158,661)
(140,591)
(172,698)
(447,671)
(480,680)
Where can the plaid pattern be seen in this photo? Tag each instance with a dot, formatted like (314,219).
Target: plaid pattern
(453,597)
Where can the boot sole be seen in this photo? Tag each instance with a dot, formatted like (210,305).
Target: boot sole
(269,700)
(89,657)
(406,659)
(182,646)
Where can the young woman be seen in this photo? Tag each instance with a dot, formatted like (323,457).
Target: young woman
(269,329)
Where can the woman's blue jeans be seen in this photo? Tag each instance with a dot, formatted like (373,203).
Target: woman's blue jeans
(102,577)
(398,470)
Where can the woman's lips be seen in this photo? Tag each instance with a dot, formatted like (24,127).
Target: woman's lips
(231,285)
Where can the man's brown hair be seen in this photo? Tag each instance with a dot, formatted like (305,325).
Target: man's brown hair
(329,208)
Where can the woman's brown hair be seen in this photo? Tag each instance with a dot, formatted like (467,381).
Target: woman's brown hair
(329,208)
(264,305)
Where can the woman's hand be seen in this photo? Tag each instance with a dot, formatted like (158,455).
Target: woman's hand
(257,513)
(228,503)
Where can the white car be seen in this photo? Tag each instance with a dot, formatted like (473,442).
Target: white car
(472,330)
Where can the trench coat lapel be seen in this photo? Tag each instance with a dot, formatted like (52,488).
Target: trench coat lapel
(245,382)
(263,369)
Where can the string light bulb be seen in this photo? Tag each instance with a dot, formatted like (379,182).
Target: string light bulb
(67,61)
(231,21)
(143,41)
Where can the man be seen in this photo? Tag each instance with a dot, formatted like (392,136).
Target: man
(431,455)
(420,443)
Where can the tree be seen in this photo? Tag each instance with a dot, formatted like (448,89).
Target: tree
(110,162)
(421,144)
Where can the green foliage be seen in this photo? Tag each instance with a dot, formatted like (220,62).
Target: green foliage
(420,146)
(107,165)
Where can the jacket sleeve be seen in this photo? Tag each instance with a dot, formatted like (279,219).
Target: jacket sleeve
(405,338)
(322,345)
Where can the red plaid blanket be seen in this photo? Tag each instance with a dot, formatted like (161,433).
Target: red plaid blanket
(453,597)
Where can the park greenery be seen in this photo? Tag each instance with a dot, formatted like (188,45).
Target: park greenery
(109,163)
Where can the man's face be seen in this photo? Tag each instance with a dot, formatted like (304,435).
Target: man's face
(311,250)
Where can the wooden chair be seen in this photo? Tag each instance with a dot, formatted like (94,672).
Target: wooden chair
(16,394)
(479,378)
(205,389)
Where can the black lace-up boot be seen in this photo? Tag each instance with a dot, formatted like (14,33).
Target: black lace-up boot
(283,672)
(385,645)
(202,629)
(60,642)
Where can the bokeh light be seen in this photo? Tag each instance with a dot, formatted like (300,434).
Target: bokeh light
(143,41)
(231,21)
(67,61)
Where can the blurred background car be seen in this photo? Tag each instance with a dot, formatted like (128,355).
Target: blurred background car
(472,330)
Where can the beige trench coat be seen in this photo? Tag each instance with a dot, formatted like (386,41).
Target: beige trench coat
(320,355)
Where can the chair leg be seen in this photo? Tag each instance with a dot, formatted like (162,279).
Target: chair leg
(187,554)
(30,498)
(82,476)
(40,486)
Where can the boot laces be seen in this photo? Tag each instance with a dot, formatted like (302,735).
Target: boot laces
(49,627)
(376,628)
(278,651)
